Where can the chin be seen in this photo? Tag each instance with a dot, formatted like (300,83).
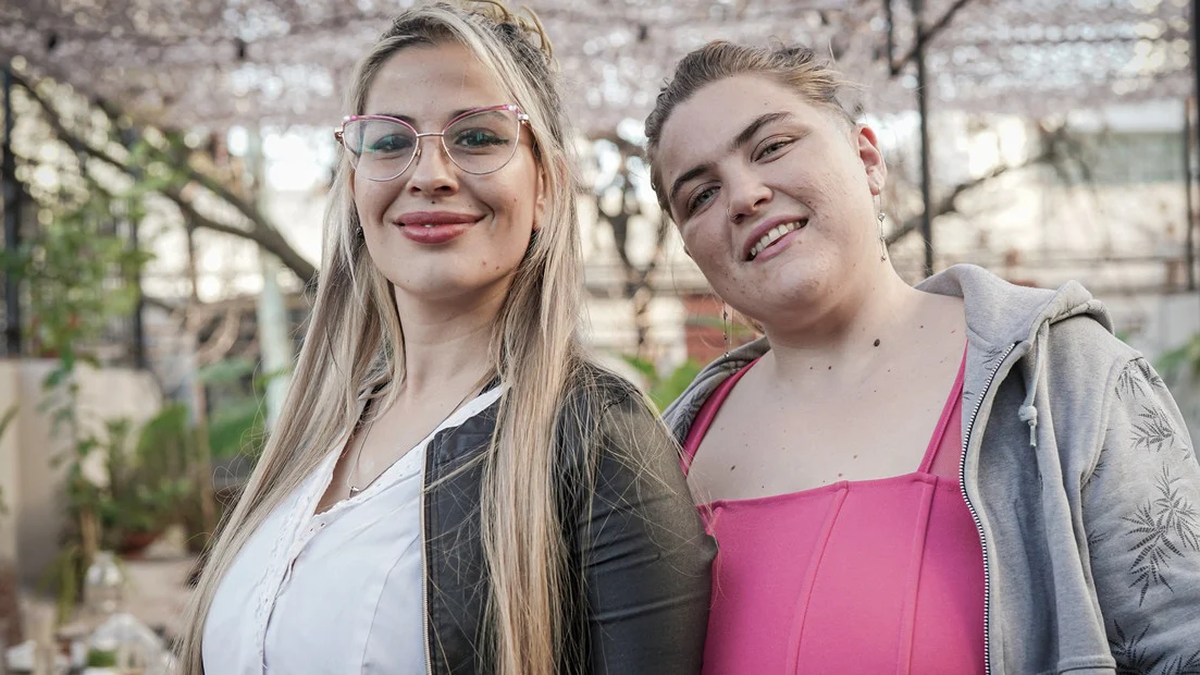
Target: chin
(791,291)
(451,288)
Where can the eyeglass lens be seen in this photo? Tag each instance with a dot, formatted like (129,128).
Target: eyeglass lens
(478,143)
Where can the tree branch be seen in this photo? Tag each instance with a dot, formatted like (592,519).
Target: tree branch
(930,33)
(261,231)
(946,204)
(269,239)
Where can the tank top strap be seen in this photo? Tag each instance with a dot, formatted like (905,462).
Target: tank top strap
(707,413)
(944,452)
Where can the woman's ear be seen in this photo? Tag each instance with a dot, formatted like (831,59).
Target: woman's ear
(872,158)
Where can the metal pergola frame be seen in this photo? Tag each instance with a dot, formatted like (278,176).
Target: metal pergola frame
(926,32)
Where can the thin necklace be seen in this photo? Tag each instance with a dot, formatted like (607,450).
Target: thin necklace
(355,491)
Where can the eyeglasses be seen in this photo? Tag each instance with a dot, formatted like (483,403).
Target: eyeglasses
(478,141)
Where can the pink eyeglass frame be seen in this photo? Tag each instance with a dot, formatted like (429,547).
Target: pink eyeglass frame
(522,120)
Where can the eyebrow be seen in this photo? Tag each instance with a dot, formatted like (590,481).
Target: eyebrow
(737,142)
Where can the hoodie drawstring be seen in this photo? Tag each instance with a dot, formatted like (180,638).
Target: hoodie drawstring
(1028,412)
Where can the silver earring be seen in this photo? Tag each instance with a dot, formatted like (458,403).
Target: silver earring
(883,252)
(725,325)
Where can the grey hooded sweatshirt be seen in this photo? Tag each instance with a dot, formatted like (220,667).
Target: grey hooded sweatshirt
(1081,476)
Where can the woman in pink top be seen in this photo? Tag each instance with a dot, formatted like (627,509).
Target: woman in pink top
(962,477)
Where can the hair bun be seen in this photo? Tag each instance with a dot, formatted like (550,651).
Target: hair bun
(524,24)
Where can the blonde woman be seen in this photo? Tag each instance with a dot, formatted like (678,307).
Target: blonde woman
(962,477)
(454,487)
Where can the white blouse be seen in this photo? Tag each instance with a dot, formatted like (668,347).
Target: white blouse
(339,592)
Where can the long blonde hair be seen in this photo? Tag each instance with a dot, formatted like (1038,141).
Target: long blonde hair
(355,344)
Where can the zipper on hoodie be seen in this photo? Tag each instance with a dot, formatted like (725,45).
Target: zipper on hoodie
(962,486)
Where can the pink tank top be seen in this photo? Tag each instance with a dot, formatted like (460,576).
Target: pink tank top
(876,576)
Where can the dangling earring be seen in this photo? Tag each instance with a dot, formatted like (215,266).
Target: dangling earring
(725,325)
(883,252)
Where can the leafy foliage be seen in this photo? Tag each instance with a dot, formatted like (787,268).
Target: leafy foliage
(1162,529)
(664,389)
(237,423)
(1184,360)
(79,273)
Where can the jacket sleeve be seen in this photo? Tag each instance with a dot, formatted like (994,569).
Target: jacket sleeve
(1141,511)
(644,553)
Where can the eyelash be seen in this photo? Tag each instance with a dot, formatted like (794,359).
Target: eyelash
(692,204)
(768,147)
(771,145)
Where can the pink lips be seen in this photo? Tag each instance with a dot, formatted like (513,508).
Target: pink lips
(434,227)
(777,246)
(765,227)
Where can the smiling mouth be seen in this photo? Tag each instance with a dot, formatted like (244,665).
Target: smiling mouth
(773,235)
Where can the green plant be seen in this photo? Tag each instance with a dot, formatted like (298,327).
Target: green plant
(236,423)
(101,658)
(147,481)
(79,274)
(664,389)
(63,578)
(172,468)
(1182,361)
(149,487)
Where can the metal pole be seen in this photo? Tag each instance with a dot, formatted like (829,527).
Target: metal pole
(891,37)
(923,110)
(139,327)
(1196,98)
(129,137)
(12,226)
(1188,180)
(274,343)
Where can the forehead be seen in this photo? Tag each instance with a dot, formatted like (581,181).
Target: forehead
(717,113)
(428,82)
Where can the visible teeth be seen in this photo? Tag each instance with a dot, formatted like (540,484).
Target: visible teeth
(773,235)
(428,224)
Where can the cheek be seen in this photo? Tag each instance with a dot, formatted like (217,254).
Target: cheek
(368,196)
(706,244)
(515,203)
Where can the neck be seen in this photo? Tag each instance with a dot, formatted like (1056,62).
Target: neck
(447,344)
(837,336)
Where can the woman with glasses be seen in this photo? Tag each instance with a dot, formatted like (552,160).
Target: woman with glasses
(453,486)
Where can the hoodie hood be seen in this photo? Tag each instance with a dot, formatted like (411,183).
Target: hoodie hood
(1000,313)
